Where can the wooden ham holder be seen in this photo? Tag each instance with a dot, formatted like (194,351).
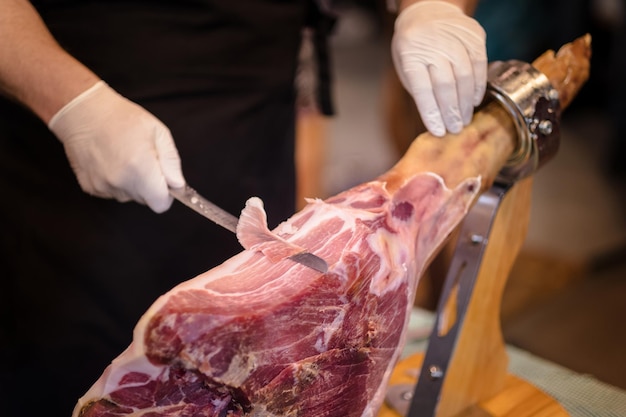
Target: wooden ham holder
(474,381)
(477,382)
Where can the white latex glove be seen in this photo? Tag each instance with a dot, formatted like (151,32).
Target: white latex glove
(117,149)
(440,57)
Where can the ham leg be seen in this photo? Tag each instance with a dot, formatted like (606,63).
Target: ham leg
(260,335)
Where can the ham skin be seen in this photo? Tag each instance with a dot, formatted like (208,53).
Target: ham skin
(263,336)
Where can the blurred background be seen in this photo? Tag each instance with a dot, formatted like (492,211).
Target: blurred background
(566,298)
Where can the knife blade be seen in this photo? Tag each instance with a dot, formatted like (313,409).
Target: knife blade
(192,199)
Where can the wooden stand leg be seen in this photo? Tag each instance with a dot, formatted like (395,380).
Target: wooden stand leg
(477,382)
(311,129)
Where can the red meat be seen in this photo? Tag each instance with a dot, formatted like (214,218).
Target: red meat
(261,335)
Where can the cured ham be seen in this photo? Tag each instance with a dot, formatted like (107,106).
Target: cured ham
(261,335)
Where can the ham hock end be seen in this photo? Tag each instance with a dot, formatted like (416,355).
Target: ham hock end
(263,336)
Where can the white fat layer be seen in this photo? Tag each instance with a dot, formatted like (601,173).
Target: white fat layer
(327,331)
(393,254)
(238,370)
(131,360)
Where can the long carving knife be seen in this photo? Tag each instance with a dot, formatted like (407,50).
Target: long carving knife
(190,197)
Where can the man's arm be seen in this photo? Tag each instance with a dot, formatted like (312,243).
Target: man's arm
(34,69)
(116,148)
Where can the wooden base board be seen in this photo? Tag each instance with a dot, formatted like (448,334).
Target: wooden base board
(518,398)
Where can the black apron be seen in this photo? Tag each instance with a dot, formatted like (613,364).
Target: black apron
(78,271)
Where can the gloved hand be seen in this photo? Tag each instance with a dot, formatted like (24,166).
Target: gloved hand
(117,149)
(440,57)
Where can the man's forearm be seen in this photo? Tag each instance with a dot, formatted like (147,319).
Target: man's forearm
(34,69)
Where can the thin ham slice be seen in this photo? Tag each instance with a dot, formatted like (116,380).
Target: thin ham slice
(253,233)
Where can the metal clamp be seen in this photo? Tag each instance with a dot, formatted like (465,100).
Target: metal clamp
(526,93)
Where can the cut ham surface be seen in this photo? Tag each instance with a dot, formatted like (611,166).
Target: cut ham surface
(263,336)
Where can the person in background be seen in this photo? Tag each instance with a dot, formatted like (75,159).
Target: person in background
(118,101)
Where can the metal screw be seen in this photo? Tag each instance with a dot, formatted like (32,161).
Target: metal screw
(406,395)
(545,127)
(435,372)
(476,239)
(553,94)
